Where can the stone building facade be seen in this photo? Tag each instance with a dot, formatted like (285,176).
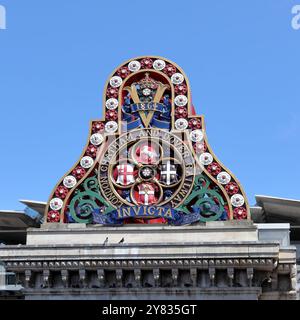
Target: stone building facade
(216,260)
(148,211)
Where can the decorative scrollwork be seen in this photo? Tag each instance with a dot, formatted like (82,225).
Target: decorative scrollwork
(85,201)
(205,200)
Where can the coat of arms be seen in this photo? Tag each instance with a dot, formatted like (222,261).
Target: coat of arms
(149,157)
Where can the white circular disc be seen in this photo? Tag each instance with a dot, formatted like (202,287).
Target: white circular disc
(111,126)
(196,135)
(159,64)
(69,181)
(86,162)
(134,66)
(96,139)
(223,177)
(237,200)
(115,81)
(181,100)
(206,158)
(177,78)
(146,92)
(181,124)
(56,204)
(111,103)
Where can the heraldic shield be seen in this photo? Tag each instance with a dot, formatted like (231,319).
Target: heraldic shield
(149,160)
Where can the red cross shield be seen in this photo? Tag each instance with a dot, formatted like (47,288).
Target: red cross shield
(146,194)
(125,174)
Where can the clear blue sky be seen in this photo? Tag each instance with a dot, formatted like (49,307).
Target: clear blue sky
(242,58)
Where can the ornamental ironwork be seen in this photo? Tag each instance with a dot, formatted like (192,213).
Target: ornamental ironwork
(149,160)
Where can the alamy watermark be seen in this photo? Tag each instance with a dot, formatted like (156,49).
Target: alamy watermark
(296,18)
(2,17)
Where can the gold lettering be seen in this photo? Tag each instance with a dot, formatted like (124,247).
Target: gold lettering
(168,213)
(136,210)
(123,141)
(151,211)
(160,211)
(126,212)
(120,213)
(143,133)
(153,133)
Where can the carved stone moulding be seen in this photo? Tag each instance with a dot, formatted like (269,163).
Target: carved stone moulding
(241,263)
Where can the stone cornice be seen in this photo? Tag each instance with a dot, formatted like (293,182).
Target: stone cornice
(264,264)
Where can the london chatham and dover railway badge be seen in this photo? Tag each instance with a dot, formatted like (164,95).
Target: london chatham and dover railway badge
(149,160)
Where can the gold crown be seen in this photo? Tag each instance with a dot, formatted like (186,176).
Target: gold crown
(147,82)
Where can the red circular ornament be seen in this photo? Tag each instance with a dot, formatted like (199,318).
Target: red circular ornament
(169,70)
(240,213)
(181,89)
(53,216)
(214,168)
(232,188)
(91,151)
(200,147)
(195,124)
(112,92)
(97,126)
(181,112)
(78,172)
(123,72)
(61,192)
(111,115)
(147,63)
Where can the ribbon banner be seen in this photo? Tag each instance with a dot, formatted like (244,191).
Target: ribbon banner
(173,216)
(161,116)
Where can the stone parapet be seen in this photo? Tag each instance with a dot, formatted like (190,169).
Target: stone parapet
(227,231)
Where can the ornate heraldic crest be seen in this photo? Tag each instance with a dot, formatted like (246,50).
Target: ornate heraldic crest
(149,160)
